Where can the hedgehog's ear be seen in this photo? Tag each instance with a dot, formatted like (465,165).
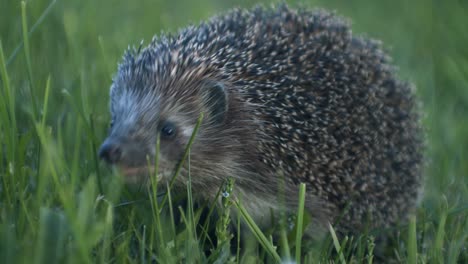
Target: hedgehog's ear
(216,100)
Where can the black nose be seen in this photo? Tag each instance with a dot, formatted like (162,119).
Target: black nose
(110,152)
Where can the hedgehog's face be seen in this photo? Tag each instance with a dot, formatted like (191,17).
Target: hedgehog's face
(141,114)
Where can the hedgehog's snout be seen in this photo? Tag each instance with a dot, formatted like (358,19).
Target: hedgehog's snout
(110,151)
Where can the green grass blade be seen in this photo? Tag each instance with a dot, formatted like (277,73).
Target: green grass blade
(94,154)
(258,233)
(412,243)
(38,22)
(184,156)
(28,60)
(238,238)
(8,244)
(8,122)
(300,221)
(108,233)
(143,246)
(46,102)
(172,219)
(336,243)
(440,235)
(52,235)
(370,250)
(9,93)
(153,193)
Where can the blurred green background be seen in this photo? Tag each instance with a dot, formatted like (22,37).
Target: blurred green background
(78,43)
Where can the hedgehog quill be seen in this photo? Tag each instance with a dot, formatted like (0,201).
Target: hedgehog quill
(285,93)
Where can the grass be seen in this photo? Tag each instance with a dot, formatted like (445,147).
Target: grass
(59,204)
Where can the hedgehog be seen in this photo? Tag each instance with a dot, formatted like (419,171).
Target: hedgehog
(288,96)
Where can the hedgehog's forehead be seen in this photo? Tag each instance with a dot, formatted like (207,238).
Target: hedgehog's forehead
(130,106)
(128,103)
(163,77)
(139,88)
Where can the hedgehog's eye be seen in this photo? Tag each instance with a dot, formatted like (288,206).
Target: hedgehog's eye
(168,130)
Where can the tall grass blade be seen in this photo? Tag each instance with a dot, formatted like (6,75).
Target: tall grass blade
(38,22)
(184,156)
(300,221)
(94,155)
(411,243)
(52,234)
(337,245)
(269,248)
(8,244)
(46,101)
(28,60)
(9,125)
(440,235)
(108,233)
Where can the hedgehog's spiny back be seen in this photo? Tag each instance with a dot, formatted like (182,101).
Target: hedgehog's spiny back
(264,42)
